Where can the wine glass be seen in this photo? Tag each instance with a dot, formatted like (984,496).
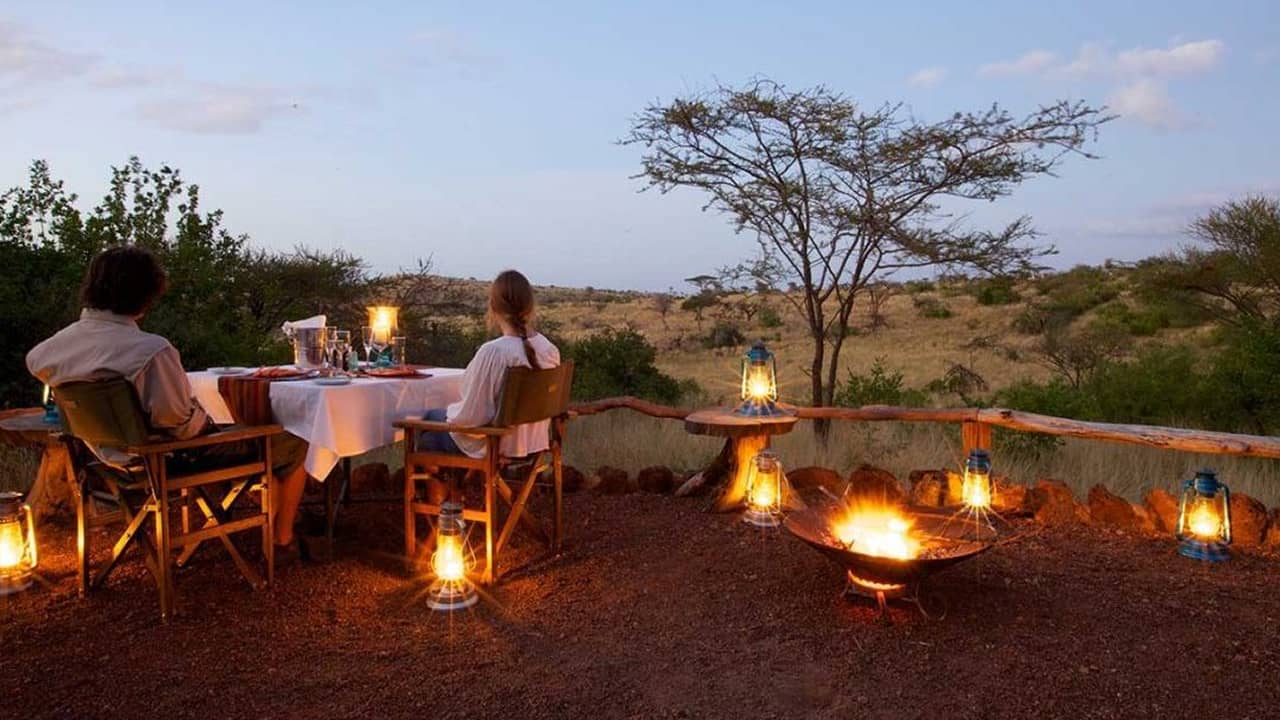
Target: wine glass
(366,332)
(399,350)
(330,344)
(342,347)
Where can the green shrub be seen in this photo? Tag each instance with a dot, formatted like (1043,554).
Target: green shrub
(1142,322)
(770,318)
(619,362)
(723,335)
(996,291)
(915,287)
(932,308)
(1077,291)
(878,387)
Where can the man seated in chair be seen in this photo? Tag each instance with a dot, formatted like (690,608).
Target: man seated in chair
(120,287)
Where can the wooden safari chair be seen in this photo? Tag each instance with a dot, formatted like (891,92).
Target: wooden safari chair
(528,396)
(117,460)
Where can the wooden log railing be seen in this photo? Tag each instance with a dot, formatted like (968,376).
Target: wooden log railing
(976,425)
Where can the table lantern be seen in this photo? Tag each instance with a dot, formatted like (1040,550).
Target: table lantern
(759,382)
(384,323)
(451,562)
(764,491)
(17,544)
(51,415)
(976,489)
(1204,518)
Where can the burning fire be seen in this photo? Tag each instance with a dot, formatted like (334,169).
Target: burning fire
(879,531)
(758,387)
(1204,522)
(11,545)
(448,562)
(976,493)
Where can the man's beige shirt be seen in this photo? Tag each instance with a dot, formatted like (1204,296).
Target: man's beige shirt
(103,345)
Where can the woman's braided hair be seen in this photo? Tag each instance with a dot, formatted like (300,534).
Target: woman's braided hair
(511,298)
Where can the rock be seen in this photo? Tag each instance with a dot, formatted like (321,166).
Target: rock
(1248,521)
(868,482)
(371,477)
(1053,504)
(656,479)
(693,486)
(1163,508)
(571,478)
(1009,498)
(1107,508)
(928,487)
(613,481)
(1273,531)
(1145,521)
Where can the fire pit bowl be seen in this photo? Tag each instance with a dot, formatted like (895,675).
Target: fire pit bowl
(945,539)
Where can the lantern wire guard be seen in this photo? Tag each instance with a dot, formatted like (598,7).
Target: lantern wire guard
(1204,518)
(451,562)
(977,493)
(18,557)
(759,384)
(764,491)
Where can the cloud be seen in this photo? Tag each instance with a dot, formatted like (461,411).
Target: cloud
(927,77)
(1031,63)
(1184,59)
(218,110)
(1147,101)
(451,50)
(26,60)
(119,78)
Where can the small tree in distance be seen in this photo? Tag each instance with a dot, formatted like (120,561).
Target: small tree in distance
(839,196)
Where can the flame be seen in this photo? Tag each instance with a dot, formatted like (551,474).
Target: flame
(449,562)
(383,321)
(976,491)
(758,387)
(1204,522)
(44,398)
(879,531)
(763,495)
(11,546)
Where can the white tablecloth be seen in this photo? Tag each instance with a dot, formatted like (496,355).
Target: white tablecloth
(341,421)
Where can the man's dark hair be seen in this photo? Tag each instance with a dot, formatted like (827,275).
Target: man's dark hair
(125,280)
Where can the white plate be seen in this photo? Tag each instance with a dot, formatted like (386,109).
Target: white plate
(232,370)
(333,381)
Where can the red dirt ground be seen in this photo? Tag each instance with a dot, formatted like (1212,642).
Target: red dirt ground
(657,610)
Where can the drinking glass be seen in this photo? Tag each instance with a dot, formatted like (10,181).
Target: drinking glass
(366,333)
(330,345)
(342,347)
(399,346)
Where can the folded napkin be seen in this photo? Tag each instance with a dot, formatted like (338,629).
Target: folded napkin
(315,321)
(248,400)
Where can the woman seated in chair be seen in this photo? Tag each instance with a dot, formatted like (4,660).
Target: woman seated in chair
(120,287)
(510,312)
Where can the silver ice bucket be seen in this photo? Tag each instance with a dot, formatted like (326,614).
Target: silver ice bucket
(308,347)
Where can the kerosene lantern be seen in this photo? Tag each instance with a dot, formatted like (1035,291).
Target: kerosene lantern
(764,491)
(975,490)
(759,382)
(451,563)
(1204,518)
(18,557)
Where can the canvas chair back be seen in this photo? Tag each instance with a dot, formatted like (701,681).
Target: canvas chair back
(102,413)
(530,396)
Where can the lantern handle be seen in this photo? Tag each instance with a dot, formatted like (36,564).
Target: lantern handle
(1226,513)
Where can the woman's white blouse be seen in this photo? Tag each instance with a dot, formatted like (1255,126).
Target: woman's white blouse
(482,388)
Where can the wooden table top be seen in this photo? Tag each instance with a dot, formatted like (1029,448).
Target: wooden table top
(26,426)
(724,422)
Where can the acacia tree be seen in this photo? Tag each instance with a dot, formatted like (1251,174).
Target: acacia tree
(839,196)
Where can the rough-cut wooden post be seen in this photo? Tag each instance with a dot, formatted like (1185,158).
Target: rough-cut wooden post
(975,435)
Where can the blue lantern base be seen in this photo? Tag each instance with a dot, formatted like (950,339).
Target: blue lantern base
(51,415)
(760,408)
(1204,551)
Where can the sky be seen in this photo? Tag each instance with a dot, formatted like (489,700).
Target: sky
(483,135)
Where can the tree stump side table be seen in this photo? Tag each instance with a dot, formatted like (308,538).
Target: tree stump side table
(53,486)
(745,437)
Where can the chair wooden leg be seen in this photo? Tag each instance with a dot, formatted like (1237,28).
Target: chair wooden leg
(82,533)
(557,471)
(163,568)
(490,511)
(410,519)
(268,512)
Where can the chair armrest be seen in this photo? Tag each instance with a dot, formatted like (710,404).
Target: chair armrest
(436,426)
(217,438)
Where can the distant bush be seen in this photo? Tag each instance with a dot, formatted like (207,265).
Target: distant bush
(769,317)
(915,287)
(723,335)
(1078,290)
(996,291)
(929,307)
(1142,322)
(878,387)
(619,362)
